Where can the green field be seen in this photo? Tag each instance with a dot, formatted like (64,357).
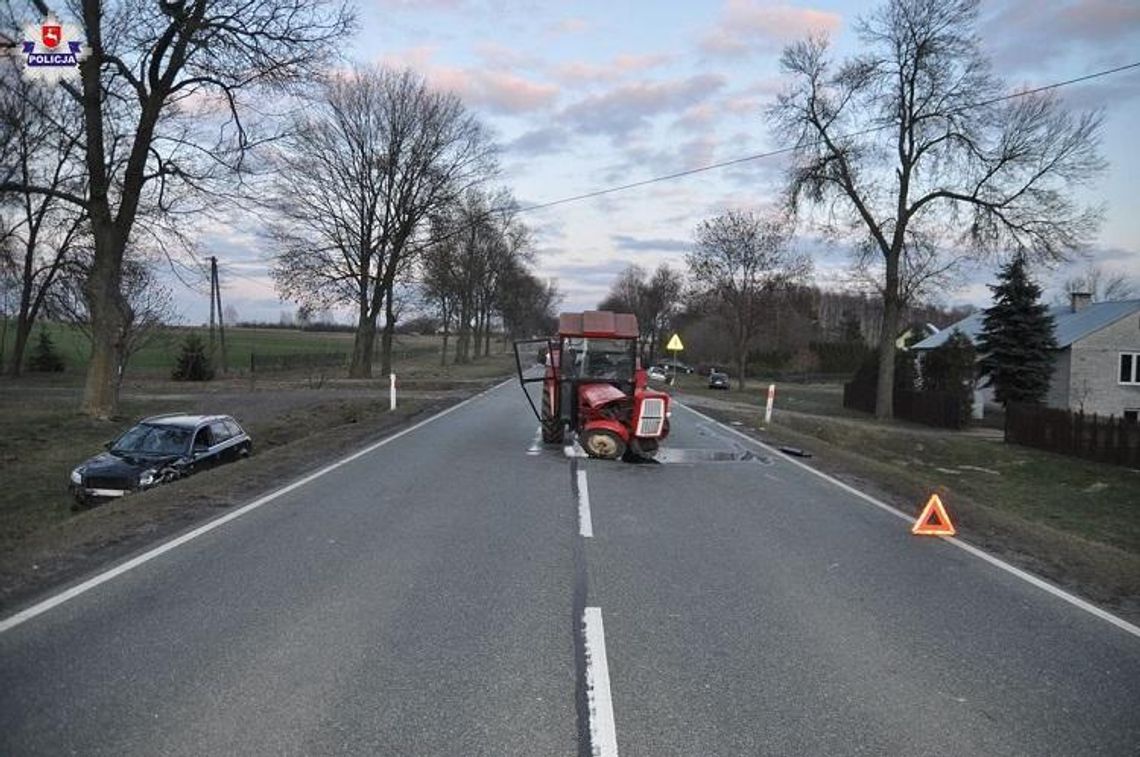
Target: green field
(158,356)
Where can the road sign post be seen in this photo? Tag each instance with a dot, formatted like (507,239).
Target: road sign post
(771,400)
(674,346)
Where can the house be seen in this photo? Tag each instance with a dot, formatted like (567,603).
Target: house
(1097,362)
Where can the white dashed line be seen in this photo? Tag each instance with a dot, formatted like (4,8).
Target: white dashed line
(603,732)
(535,447)
(585,524)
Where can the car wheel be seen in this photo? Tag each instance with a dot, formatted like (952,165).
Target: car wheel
(604,444)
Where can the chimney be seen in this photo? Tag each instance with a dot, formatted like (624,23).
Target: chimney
(1079,301)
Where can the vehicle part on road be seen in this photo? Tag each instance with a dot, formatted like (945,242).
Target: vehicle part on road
(796,451)
(934,520)
(594,387)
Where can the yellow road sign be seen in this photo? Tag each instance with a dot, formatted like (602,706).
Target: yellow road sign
(675,344)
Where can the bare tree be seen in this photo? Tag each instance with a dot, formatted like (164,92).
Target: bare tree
(914,149)
(365,167)
(739,260)
(653,299)
(170,94)
(39,230)
(1104,286)
(150,307)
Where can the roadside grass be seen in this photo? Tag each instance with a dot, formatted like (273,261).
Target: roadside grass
(813,398)
(1073,521)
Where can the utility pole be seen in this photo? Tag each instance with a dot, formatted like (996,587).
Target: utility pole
(216,293)
(213,283)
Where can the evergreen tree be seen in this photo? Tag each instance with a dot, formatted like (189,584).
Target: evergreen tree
(1017,340)
(193,361)
(44,358)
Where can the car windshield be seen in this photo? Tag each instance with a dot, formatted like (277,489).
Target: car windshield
(153,440)
(609,359)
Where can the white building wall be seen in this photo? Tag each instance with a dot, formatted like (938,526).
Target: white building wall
(1094,374)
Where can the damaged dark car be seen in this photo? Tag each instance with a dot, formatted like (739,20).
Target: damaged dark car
(156,450)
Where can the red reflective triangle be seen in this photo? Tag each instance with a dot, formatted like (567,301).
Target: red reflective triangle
(933,521)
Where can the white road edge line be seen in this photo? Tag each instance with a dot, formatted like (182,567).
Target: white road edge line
(603,732)
(585,524)
(102,578)
(1029,578)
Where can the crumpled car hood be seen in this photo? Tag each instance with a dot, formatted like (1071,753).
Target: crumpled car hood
(123,466)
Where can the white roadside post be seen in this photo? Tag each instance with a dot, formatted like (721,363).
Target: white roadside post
(771,399)
(391,391)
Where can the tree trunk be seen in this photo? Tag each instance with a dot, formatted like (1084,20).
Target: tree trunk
(106,309)
(23,331)
(742,363)
(487,337)
(443,352)
(386,337)
(362,348)
(885,389)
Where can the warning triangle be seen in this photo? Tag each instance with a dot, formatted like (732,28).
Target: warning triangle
(933,521)
(675,344)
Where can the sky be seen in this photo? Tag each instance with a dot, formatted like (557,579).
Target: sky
(586,95)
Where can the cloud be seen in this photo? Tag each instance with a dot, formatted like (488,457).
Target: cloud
(745,28)
(1026,35)
(580,73)
(627,108)
(635,244)
(539,141)
(496,90)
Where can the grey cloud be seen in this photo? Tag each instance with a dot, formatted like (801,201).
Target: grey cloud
(634,244)
(539,141)
(626,109)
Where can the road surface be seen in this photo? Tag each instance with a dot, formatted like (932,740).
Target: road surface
(429,598)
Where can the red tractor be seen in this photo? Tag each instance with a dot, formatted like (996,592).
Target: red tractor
(593,386)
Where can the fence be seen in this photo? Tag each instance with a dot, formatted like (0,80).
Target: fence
(941,409)
(296,361)
(1107,440)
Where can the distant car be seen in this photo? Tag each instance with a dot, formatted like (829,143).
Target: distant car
(656,373)
(159,449)
(718,380)
(672,364)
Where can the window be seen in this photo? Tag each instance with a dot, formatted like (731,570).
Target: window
(1130,367)
(1131,416)
(234,428)
(219,431)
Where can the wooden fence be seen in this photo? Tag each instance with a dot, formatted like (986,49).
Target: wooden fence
(1107,440)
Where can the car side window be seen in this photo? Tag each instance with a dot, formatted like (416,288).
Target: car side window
(219,431)
(202,439)
(234,428)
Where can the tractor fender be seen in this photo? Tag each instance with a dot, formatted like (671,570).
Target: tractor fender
(608,425)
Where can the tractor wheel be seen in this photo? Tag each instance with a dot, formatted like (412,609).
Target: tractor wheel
(604,444)
(552,431)
(644,448)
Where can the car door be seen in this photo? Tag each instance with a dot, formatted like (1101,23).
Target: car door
(201,456)
(222,451)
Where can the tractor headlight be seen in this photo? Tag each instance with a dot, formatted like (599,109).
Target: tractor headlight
(146,478)
(77,476)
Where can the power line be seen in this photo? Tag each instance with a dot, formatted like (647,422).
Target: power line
(792,148)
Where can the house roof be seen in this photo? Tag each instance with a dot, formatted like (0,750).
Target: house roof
(1068,327)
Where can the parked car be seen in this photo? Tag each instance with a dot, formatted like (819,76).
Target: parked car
(159,449)
(718,380)
(656,373)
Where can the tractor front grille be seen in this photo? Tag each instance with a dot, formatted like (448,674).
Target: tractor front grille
(652,417)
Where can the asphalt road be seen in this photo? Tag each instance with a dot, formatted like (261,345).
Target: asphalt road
(427,599)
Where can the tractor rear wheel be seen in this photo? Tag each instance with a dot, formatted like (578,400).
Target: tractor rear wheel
(603,443)
(552,431)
